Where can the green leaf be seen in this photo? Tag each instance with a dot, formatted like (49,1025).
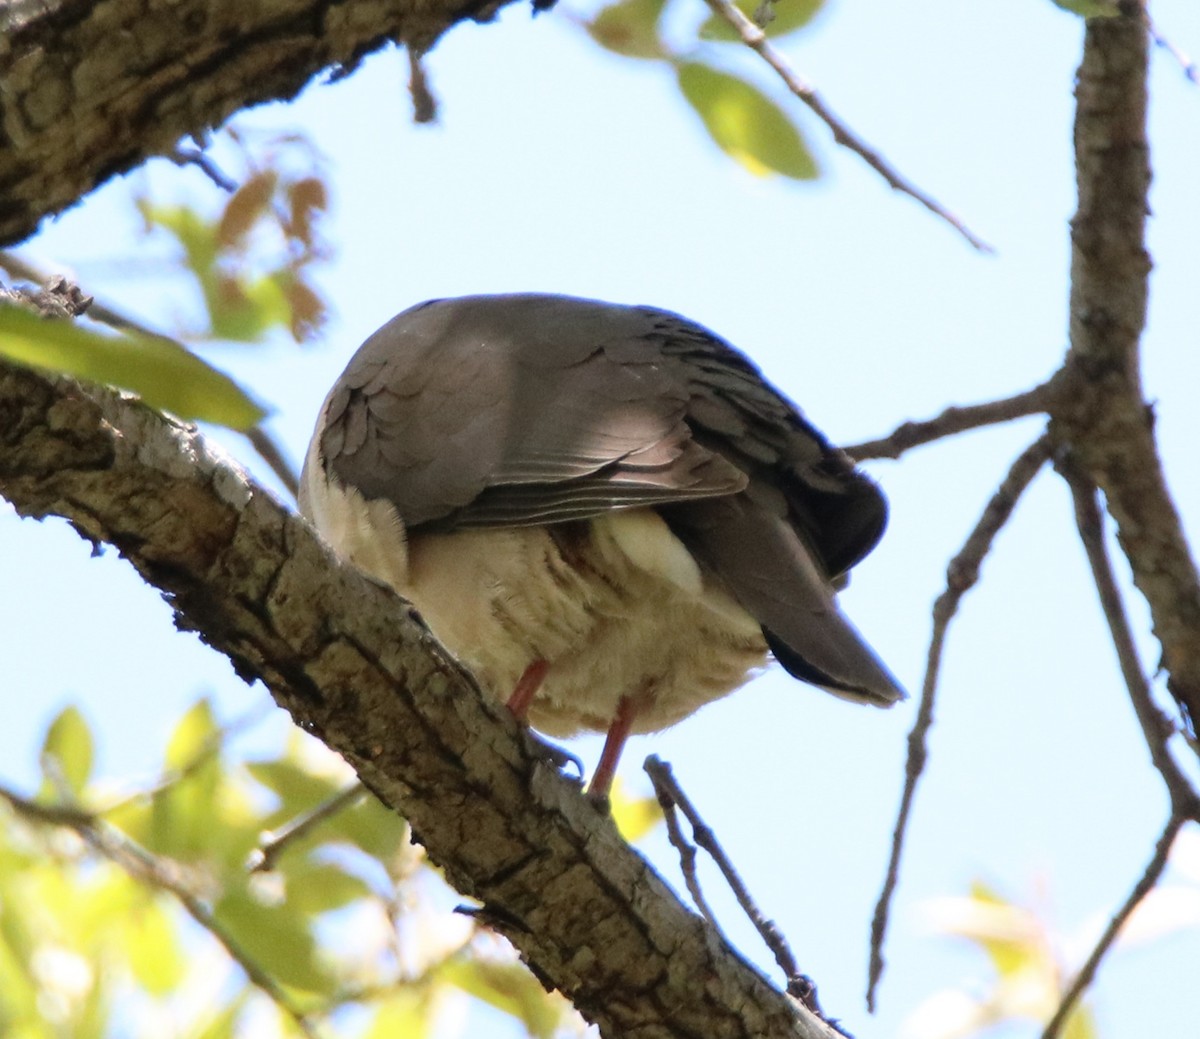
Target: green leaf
(1011,937)
(1089,8)
(69,743)
(194,735)
(246,310)
(298,789)
(789,15)
(509,987)
(745,124)
(186,817)
(1080,1025)
(199,237)
(161,372)
(634,816)
(275,938)
(405,1015)
(320,887)
(152,944)
(223,1024)
(630,27)
(375,829)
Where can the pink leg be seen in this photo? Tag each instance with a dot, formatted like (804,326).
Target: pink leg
(526,689)
(614,743)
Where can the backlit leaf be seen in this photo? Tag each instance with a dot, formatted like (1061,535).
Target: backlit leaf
(634,816)
(68,744)
(161,372)
(1089,8)
(275,937)
(194,734)
(511,988)
(375,829)
(745,124)
(630,28)
(404,1015)
(321,887)
(152,944)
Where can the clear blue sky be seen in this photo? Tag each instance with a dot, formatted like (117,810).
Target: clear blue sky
(556,167)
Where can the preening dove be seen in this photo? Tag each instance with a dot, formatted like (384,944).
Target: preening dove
(604,511)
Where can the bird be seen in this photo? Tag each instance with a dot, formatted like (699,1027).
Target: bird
(604,511)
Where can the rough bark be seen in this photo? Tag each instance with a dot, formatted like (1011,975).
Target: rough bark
(1102,423)
(354,666)
(92,88)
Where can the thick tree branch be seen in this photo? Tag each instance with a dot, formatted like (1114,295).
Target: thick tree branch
(352,665)
(89,90)
(1101,420)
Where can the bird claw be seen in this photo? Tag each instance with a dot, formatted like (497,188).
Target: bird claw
(554,755)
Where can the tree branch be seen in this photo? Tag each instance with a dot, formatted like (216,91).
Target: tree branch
(1100,418)
(88,90)
(1087,973)
(952,421)
(961,576)
(1156,727)
(164,876)
(353,666)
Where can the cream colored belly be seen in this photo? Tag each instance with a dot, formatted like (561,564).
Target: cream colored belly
(616,606)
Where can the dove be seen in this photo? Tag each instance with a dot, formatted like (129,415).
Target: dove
(605,512)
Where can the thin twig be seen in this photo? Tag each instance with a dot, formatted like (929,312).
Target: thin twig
(197,157)
(163,875)
(278,841)
(1156,727)
(262,441)
(424,103)
(1185,61)
(1087,973)
(754,38)
(669,792)
(270,452)
(961,576)
(952,421)
(687,850)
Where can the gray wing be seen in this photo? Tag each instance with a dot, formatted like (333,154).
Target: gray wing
(513,411)
(521,410)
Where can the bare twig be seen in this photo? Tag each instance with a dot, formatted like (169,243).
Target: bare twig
(424,103)
(1156,727)
(1185,61)
(262,441)
(1087,973)
(278,841)
(270,452)
(754,38)
(161,874)
(183,156)
(952,421)
(687,850)
(961,576)
(669,794)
